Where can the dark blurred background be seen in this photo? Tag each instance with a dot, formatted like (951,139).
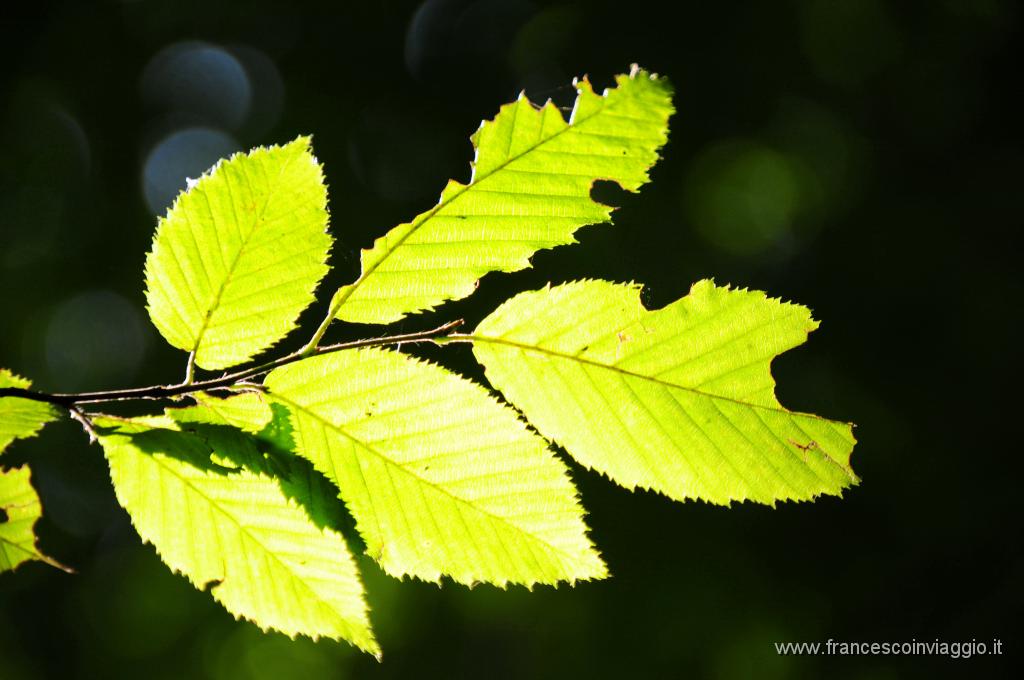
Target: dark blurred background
(861,157)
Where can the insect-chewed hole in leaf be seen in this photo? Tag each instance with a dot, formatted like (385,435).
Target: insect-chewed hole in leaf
(3,516)
(608,192)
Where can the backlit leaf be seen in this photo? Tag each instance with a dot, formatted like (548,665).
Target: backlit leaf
(441,478)
(248,411)
(236,530)
(529,190)
(680,400)
(19,510)
(20,418)
(239,254)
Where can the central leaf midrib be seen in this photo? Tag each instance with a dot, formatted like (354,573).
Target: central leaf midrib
(340,430)
(664,383)
(474,182)
(16,546)
(215,303)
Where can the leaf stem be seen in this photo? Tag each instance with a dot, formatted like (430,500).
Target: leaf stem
(310,347)
(190,368)
(228,381)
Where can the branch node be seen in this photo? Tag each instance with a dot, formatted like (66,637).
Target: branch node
(84,420)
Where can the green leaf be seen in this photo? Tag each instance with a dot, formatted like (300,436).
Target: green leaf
(529,190)
(239,532)
(680,400)
(271,450)
(441,478)
(20,418)
(239,254)
(248,411)
(19,510)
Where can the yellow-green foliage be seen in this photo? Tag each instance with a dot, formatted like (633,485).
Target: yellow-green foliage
(20,508)
(680,400)
(530,190)
(238,488)
(20,418)
(238,255)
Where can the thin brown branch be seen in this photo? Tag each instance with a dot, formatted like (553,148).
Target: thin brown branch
(70,400)
(85,421)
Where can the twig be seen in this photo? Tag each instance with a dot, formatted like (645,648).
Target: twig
(78,415)
(69,400)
